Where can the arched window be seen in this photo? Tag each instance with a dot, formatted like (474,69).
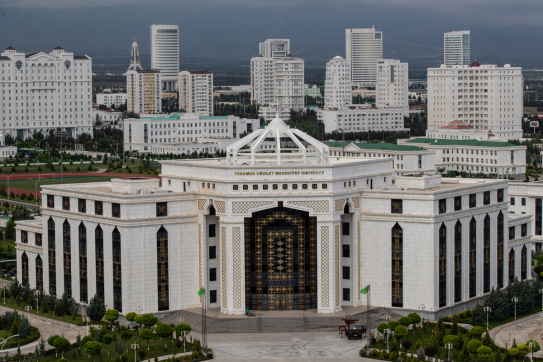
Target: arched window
(458,262)
(397,266)
(511,265)
(117,275)
(83,293)
(52,256)
(472,258)
(501,232)
(442,265)
(99,256)
(39,273)
(67,256)
(162,269)
(524,263)
(486,254)
(24,265)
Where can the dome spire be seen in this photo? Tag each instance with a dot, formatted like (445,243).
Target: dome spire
(135,57)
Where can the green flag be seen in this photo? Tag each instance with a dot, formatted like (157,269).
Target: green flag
(366,290)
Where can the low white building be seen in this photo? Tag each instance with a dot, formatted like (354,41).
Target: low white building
(313,91)
(458,130)
(493,158)
(270,112)
(160,134)
(6,151)
(107,115)
(362,118)
(109,99)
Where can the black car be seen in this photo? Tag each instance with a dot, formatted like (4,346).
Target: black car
(355,331)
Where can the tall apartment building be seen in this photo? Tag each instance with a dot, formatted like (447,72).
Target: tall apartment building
(278,81)
(392,84)
(486,97)
(274,48)
(165,54)
(456,45)
(144,91)
(337,86)
(196,91)
(364,48)
(43,91)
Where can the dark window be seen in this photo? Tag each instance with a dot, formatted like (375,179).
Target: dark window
(472,258)
(52,256)
(501,232)
(486,198)
(457,262)
(82,205)
(472,200)
(523,201)
(442,265)
(397,266)
(538,216)
(500,195)
(511,233)
(24,264)
(51,201)
(163,278)
(212,232)
(38,239)
(346,272)
(24,237)
(512,201)
(442,206)
(346,251)
(67,256)
(524,263)
(212,296)
(99,257)
(161,209)
(512,266)
(98,208)
(458,203)
(83,294)
(524,230)
(39,273)
(117,276)
(213,274)
(212,252)
(65,203)
(396,206)
(346,228)
(346,294)
(486,254)
(116,210)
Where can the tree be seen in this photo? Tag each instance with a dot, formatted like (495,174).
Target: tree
(400,332)
(120,348)
(130,316)
(24,328)
(431,351)
(484,353)
(487,341)
(59,311)
(454,328)
(67,303)
(15,326)
(149,320)
(183,327)
(86,339)
(138,319)
(523,350)
(93,349)
(473,345)
(146,334)
(499,304)
(61,344)
(380,328)
(452,339)
(107,339)
(52,339)
(96,309)
(404,321)
(421,355)
(126,335)
(476,332)
(535,347)
(464,356)
(112,315)
(164,330)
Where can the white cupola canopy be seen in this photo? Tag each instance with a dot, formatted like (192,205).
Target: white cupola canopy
(277,130)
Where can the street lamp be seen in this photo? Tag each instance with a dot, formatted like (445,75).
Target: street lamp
(449,346)
(387,331)
(487,310)
(511,334)
(135,347)
(422,307)
(515,299)
(86,319)
(28,308)
(532,345)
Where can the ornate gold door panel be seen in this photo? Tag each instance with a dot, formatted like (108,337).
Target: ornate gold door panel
(280,260)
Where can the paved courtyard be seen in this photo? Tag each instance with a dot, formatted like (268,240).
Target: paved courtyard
(529,328)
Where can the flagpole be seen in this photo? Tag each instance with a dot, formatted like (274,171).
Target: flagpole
(368,328)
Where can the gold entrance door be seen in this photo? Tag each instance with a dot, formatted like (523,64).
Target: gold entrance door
(280,270)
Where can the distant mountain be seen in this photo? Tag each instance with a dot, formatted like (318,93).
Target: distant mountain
(317,32)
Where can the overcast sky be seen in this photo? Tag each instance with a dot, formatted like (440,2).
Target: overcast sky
(500,12)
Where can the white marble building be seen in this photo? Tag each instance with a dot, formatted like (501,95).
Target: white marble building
(273,230)
(362,118)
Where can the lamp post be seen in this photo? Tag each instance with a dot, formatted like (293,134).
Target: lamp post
(515,299)
(135,347)
(28,308)
(422,307)
(8,183)
(38,301)
(531,345)
(449,346)
(487,310)
(511,334)
(86,319)
(387,331)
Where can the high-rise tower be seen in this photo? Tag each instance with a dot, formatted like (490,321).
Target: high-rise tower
(456,48)
(135,57)
(165,54)
(364,48)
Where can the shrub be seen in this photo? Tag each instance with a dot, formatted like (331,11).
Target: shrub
(86,339)
(431,351)
(400,331)
(58,310)
(484,353)
(452,339)
(468,313)
(52,339)
(414,318)
(473,345)
(393,324)
(407,344)
(393,355)
(142,354)
(62,344)
(107,339)
(126,335)
(374,353)
(404,321)
(476,332)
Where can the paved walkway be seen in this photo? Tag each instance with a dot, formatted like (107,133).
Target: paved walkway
(525,329)
(47,327)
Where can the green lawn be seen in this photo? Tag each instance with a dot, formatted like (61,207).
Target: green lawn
(31,184)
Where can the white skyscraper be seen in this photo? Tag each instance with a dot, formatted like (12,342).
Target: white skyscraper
(486,97)
(337,86)
(196,91)
(274,48)
(165,54)
(457,48)
(364,48)
(56,88)
(392,84)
